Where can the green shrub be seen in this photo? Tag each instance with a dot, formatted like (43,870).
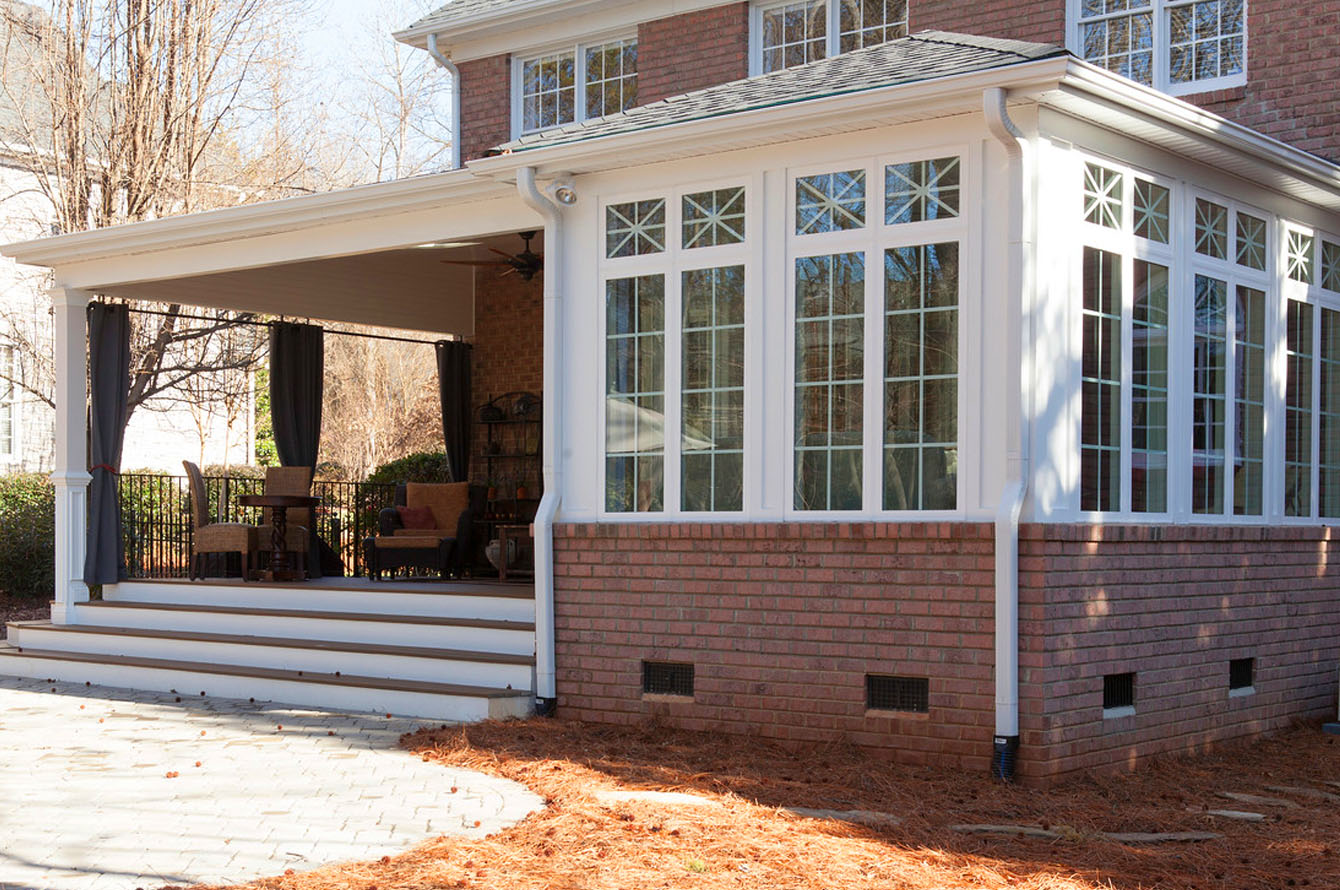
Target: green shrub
(426,466)
(27,535)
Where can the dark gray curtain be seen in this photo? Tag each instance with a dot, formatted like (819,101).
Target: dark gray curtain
(297,373)
(109,379)
(453,381)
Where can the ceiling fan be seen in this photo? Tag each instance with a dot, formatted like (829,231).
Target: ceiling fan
(526,263)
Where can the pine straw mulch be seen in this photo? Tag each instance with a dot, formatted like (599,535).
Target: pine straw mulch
(749,842)
(15,609)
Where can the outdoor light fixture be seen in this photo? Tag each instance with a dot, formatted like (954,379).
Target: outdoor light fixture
(563,190)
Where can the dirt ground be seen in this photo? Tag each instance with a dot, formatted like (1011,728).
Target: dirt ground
(747,839)
(12,609)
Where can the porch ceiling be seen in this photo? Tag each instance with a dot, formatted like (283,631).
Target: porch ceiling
(408,288)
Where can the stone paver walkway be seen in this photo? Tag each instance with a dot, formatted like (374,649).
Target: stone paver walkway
(86,802)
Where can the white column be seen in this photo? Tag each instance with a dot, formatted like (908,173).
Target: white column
(71,476)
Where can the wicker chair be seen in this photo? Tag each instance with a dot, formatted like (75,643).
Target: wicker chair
(293,481)
(215,537)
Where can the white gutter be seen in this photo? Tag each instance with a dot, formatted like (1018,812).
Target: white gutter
(545,683)
(1018,289)
(455,73)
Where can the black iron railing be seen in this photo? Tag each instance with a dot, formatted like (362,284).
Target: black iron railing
(157,527)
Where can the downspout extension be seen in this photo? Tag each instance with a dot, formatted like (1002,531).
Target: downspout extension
(450,66)
(546,690)
(1005,749)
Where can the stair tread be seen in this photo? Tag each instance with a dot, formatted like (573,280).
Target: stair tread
(490,623)
(261,673)
(280,642)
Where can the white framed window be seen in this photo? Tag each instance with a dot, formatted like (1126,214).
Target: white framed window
(876,279)
(9,432)
(573,83)
(676,272)
(794,32)
(1179,46)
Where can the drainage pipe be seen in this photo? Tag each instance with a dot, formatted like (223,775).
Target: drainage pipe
(1019,309)
(443,61)
(546,695)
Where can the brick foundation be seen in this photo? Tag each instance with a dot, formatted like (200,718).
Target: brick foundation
(783,622)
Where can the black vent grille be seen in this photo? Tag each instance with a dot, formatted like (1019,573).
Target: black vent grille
(898,694)
(1118,691)
(1241,673)
(664,678)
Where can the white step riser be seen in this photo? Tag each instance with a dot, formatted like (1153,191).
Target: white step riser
(435,605)
(386,633)
(360,664)
(378,701)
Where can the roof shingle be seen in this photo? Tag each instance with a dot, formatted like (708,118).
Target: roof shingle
(458,10)
(925,55)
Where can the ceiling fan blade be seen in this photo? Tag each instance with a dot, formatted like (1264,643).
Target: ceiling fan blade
(474,262)
(501,253)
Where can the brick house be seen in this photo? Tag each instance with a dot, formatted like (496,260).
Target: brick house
(1000,341)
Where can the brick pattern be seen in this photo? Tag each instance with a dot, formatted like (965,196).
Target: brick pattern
(486,105)
(508,355)
(693,51)
(1039,20)
(1173,604)
(782,622)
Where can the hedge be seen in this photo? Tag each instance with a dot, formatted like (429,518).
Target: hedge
(27,536)
(426,466)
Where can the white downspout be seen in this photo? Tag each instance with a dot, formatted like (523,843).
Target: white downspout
(1019,310)
(455,73)
(546,694)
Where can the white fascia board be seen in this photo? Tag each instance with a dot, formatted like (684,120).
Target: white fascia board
(784,122)
(252,220)
(542,22)
(1104,93)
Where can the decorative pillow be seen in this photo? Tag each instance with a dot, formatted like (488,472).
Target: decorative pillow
(416,517)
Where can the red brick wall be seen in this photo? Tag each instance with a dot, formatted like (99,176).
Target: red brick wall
(689,52)
(508,356)
(1174,605)
(1040,20)
(782,622)
(486,105)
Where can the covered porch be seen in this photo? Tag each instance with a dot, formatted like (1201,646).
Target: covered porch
(391,255)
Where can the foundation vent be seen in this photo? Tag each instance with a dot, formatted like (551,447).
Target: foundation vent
(1118,695)
(1241,674)
(667,678)
(898,694)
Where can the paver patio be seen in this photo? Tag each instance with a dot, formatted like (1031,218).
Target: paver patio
(86,802)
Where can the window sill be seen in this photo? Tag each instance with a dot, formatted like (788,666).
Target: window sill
(1242,693)
(1118,713)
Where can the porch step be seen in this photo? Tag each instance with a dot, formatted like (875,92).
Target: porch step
(457,599)
(473,634)
(409,698)
(452,666)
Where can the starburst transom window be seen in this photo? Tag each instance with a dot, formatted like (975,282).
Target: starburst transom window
(1300,257)
(1102,196)
(1151,205)
(830,202)
(635,229)
(921,190)
(714,218)
(1330,266)
(1211,229)
(1251,241)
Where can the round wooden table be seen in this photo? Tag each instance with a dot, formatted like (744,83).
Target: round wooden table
(279,505)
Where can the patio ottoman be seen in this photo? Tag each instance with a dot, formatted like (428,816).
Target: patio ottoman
(385,554)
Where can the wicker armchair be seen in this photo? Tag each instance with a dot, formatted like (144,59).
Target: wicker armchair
(214,537)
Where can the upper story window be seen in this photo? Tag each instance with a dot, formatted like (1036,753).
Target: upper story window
(1182,46)
(8,434)
(799,31)
(575,84)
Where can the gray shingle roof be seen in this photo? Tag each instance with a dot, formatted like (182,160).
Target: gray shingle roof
(458,10)
(925,55)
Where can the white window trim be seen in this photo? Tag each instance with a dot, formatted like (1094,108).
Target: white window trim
(672,263)
(15,454)
(578,50)
(872,241)
(1162,49)
(833,35)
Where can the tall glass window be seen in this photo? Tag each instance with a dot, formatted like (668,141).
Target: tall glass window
(1298,411)
(1100,433)
(921,377)
(1209,397)
(635,394)
(1328,494)
(1149,389)
(713,389)
(1249,343)
(7,374)
(549,91)
(611,77)
(830,372)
